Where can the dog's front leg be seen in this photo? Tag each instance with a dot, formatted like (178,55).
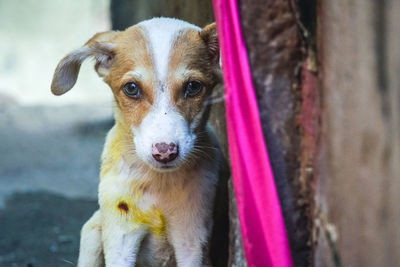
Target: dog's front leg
(121,246)
(188,235)
(91,250)
(188,245)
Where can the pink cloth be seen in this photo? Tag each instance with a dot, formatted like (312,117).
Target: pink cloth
(263,229)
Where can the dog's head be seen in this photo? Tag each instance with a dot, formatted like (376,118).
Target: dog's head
(162,72)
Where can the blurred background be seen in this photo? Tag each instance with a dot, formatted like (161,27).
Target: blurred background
(50,146)
(326,77)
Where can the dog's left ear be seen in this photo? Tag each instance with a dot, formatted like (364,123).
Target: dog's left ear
(100,47)
(210,37)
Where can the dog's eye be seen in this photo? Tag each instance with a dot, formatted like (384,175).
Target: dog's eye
(192,88)
(131,90)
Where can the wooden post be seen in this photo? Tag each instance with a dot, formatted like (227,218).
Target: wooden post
(358,188)
(277,50)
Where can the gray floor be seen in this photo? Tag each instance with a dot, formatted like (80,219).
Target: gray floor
(49,164)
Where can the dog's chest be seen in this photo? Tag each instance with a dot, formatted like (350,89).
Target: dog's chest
(133,203)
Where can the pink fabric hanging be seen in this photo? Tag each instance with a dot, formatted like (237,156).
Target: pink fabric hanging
(263,229)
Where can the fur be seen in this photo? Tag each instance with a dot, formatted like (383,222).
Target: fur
(153,213)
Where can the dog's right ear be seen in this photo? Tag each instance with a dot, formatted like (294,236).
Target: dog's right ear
(100,47)
(210,37)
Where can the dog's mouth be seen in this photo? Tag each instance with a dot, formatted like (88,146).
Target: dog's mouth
(176,164)
(167,167)
(160,167)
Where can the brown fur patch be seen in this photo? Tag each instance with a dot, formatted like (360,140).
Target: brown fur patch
(190,60)
(131,52)
(210,37)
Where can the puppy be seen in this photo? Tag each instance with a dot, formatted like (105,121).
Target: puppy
(161,162)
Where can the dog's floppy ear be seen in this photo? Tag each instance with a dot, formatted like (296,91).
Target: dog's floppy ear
(100,47)
(210,37)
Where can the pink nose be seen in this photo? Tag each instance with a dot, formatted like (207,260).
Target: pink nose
(164,152)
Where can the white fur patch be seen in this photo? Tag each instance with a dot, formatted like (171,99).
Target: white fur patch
(138,74)
(90,252)
(163,123)
(161,34)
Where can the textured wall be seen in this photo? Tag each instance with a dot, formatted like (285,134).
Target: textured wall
(359,185)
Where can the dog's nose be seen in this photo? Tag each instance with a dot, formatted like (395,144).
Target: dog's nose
(164,152)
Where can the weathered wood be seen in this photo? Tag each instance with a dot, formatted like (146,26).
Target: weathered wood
(276,53)
(359,185)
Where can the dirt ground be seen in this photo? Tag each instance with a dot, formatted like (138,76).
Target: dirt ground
(49,164)
(42,229)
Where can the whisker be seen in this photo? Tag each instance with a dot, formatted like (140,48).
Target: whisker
(214,101)
(208,147)
(67,261)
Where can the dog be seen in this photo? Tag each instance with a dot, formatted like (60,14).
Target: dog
(161,163)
